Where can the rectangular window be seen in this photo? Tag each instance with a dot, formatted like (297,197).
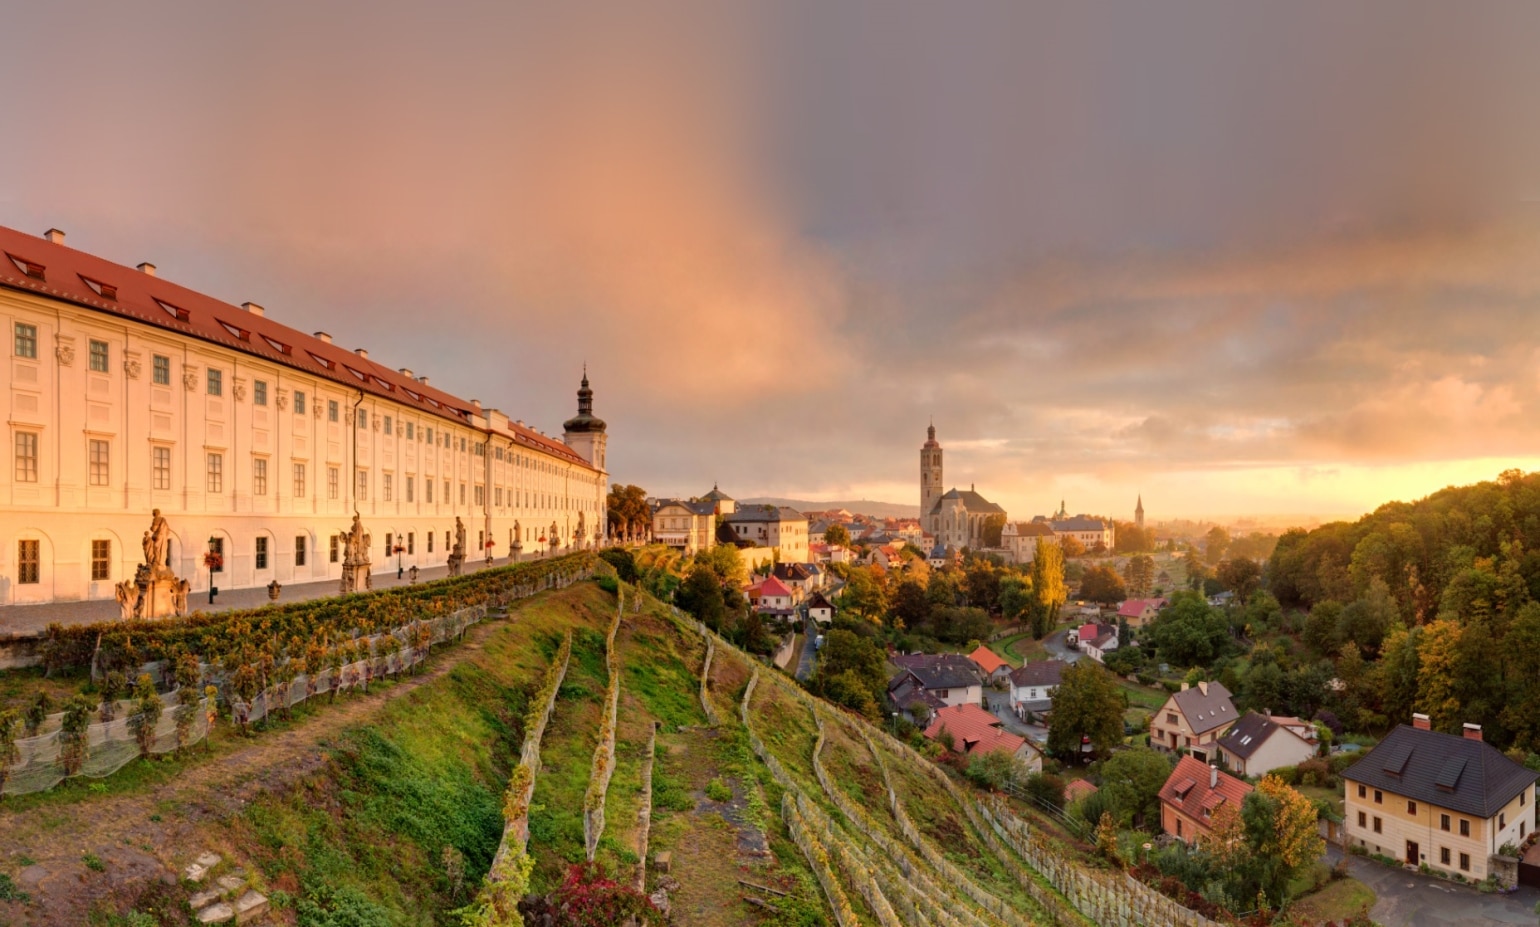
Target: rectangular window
(409,481)
(389,548)
(388,424)
(447,497)
(259,392)
(101,561)
(1443,855)
(462,493)
(299,550)
(446,541)
(1363,819)
(427,434)
(216,473)
(430,542)
(1443,822)
(1379,797)
(299,403)
(97,355)
(1502,820)
(26,457)
(160,370)
(386,488)
(427,486)
(99,456)
(363,418)
(299,481)
(481,492)
(1465,862)
(332,479)
(497,496)
(334,549)
(28,561)
(363,486)
(411,542)
(26,344)
(409,430)
(261,552)
(331,410)
(216,382)
(1363,791)
(1376,824)
(160,465)
(259,477)
(1411,807)
(1464,827)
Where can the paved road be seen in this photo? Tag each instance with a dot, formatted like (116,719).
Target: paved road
(1000,705)
(1407,899)
(805,662)
(1055,645)
(32,619)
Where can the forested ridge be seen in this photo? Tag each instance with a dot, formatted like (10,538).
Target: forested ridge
(1431,606)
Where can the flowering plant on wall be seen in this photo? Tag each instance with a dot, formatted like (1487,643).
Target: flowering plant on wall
(213,561)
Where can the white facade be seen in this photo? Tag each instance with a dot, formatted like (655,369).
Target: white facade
(109,418)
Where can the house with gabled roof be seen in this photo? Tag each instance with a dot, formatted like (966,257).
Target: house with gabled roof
(1258,744)
(773,594)
(820,609)
(1193,793)
(974,731)
(1193,720)
(948,678)
(1097,640)
(1033,685)
(990,664)
(1445,800)
(1140,612)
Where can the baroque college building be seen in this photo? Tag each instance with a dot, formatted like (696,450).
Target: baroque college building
(127,393)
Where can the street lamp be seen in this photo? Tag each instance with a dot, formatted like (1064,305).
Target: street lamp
(895,723)
(213,561)
(398,551)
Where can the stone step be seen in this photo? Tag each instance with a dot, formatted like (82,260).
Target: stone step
(221,913)
(199,869)
(250,906)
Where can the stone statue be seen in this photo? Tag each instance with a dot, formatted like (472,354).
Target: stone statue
(555,535)
(160,539)
(518,534)
(149,549)
(179,597)
(459,536)
(355,561)
(128,599)
(582,530)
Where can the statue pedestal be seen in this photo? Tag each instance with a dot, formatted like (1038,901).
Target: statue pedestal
(158,593)
(456,563)
(356,577)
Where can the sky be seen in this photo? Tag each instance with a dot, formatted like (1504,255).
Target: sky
(1237,258)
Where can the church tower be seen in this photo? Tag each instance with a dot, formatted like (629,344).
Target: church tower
(1139,511)
(931,487)
(584,432)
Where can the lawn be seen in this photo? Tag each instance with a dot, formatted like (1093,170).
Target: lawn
(1019,648)
(1337,901)
(1334,796)
(1143,696)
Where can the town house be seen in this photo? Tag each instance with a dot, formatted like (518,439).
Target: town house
(1193,720)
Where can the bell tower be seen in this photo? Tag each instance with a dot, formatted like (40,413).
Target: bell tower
(584,432)
(931,487)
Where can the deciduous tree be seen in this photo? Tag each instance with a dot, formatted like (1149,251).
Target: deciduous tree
(1102,585)
(1049,593)
(1087,704)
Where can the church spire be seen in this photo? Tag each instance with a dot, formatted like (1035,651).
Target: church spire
(585,420)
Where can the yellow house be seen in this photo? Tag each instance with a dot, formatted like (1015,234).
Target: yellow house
(1450,802)
(1193,720)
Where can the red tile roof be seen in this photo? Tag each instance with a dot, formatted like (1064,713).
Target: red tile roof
(987,660)
(1133,608)
(1188,789)
(1077,789)
(774,587)
(56,271)
(973,730)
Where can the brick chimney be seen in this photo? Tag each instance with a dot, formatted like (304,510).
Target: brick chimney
(1213,776)
(254,309)
(1420,722)
(147,269)
(55,236)
(1472,731)
(1203,687)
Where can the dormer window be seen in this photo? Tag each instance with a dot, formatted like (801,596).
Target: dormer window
(176,312)
(104,290)
(30,268)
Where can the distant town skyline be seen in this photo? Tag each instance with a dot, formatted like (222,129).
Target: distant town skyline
(1240,259)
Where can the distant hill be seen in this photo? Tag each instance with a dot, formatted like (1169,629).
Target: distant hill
(858,507)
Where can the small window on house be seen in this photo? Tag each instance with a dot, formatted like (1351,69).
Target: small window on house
(411,542)
(1377,824)
(388,424)
(334,548)
(259,476)
(299,481)
(261,553)
(385,487)
(160,467)
(1465,862)
(101,560)
(299,550)
(160,370)
(1443,822)
(409,430)
(26,457)
(259,392)
(99,455)
(215,473)
(410,494)
(1502,820)
(1411,807)
(430,538)
(216,382)
(1363,791)
(331,410)
(1379,797)
(333,477)
(363,418)
(98,355)
(363,485)
(299,403)
(1464,827)
(1363,819)
(1443,855)
(26,342)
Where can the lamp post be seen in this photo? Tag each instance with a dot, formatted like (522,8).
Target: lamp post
(399,550)
(895,723)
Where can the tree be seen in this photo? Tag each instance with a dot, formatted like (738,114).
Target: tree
(1131,780)
(1070,545)
(1048,590)
(1015,597)
(956,625)
(838,535)
(998,770)
(628,512)
(852,672)
(1437,674)
(1215,543)
(982,582)
(1241,576)
(701,596)
(994,525)
(907,606)
(1087,704)
(1189,632)
(1129,538)
(1102,585)
(1140,574)
(1281,827)
(863,595)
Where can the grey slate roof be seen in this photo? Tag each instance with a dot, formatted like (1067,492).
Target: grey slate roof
(694,508)
(938,670)
(1464,775)
(1040,673)
(972,502)
(1250,733)
(1206,712)
(758,513)
(1079,523)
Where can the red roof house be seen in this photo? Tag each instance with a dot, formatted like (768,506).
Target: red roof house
(1139,612)
(989,663)
(975,731)
(1192,794)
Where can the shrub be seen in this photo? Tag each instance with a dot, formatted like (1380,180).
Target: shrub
(1146,679)
(717,790)
(1313,771)
(1171,686)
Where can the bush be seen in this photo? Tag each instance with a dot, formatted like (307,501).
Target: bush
(717,790)
(1046,789)
(1146,679)
(609,584)
(1171,686)
(1314,771)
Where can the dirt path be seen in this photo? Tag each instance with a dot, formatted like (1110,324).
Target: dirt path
(151,834)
